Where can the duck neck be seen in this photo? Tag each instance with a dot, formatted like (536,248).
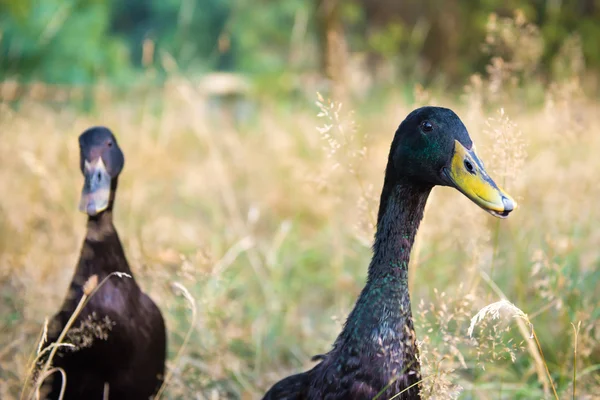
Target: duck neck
(401,210)
(382,315)
(102,252)
(100,227)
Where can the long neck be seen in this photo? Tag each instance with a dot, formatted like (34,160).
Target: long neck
(102,252)
(100,227)
(401,211)
(382,315)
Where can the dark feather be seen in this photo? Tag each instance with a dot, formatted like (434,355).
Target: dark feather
(376,354)
(120,334)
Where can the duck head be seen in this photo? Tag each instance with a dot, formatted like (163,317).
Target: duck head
(101,162)
(432,147)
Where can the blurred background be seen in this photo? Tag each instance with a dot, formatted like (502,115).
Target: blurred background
(261,203)
(285,46)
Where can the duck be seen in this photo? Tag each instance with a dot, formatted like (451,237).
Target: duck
(118,341)
(376,354)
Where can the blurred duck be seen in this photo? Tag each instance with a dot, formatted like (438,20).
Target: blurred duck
(120,333)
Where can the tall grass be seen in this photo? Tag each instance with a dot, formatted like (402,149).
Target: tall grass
(269,230)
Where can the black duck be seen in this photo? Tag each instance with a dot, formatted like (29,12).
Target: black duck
(376,353)
(120,333)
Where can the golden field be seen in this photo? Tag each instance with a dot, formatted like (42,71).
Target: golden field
(267,223)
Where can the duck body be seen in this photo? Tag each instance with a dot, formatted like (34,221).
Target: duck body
(376,351)
(358,370)
(376,354)
(120,334)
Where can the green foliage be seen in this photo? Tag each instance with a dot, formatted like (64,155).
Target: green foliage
(188,30)
(76,41)
(59,41)
(265,47)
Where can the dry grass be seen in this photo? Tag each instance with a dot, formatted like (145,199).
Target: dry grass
(268,222)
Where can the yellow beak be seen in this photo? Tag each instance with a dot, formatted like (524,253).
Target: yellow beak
(467,174)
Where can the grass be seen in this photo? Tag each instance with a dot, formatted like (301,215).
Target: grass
(267,223)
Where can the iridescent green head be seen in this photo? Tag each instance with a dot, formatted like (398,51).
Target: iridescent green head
(432,147)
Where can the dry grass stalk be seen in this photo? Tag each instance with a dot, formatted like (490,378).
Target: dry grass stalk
(575,335)
(526,329)
(192,303)
(63,385)
(91,286)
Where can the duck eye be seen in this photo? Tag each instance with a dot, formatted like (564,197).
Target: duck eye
(426,126)
(109,143)
(469,167)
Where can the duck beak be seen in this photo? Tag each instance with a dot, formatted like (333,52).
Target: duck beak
(95,194)
(467,174)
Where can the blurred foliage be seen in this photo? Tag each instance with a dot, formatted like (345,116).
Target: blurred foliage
(82,41)
(59,41)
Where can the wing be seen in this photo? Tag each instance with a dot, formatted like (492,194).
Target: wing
(291,388)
